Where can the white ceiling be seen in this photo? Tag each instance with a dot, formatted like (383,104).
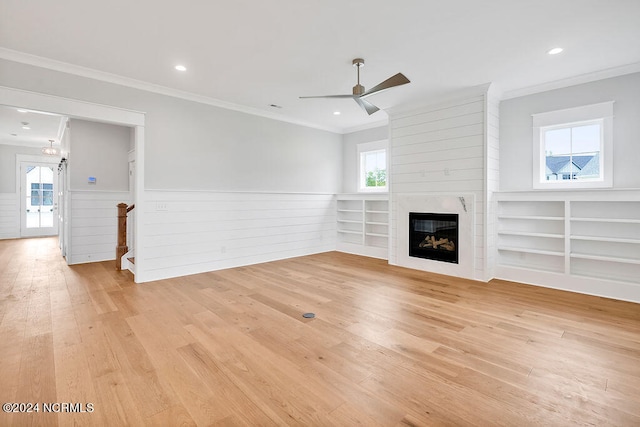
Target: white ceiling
(42,127)
(256,53)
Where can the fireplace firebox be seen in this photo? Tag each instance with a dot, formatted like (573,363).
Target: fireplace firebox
(433,236)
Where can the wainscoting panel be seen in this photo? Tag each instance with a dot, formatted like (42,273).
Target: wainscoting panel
(189,232)
(9,216)
(94,225)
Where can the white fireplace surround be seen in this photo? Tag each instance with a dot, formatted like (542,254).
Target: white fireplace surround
(462,204)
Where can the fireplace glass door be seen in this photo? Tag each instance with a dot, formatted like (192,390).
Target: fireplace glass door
(433,236)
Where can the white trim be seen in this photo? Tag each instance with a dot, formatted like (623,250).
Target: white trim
(573,81)
(567,117)
(381,145)
(379,123)
(27,159)
(51,64)
(139,201)
(62,127)
(70,107)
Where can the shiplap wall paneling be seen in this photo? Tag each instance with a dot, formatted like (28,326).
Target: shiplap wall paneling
(194,232)
(492,177)
(440,150)
(9,216)
(94,224)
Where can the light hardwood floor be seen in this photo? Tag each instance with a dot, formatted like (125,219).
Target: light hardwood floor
(389,346)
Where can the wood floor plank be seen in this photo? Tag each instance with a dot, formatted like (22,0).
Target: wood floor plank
(388,346)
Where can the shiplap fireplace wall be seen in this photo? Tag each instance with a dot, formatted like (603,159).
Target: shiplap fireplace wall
(443,152)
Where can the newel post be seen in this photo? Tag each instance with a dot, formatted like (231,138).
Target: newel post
(122,248)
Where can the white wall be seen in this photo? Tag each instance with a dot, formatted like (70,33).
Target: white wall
(350,160)
(516,152)
(98,150)
(8,164)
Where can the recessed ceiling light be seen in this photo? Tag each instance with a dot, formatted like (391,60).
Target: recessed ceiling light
(14,134)
(181,68)
(275,105)
(555,51)
(336,113)
(20,110)
(25,126)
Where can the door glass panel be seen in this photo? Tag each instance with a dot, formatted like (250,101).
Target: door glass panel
(39,196)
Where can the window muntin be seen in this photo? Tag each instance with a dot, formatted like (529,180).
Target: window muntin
(572,151)
(373,170)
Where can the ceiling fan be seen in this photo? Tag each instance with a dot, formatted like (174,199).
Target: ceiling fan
(359,93)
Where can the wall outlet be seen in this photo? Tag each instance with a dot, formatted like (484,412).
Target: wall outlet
(162,206)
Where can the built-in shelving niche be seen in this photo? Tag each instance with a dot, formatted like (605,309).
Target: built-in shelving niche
(597,239)
(363,224)
(605,240)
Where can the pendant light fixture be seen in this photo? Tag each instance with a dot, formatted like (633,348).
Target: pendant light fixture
(50,150)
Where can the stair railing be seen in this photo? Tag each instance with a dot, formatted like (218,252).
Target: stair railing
(122,248)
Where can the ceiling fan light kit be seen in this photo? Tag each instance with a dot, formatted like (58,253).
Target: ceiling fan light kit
(359,91)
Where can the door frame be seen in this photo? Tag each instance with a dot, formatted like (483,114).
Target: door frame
(22,159)
(85,110)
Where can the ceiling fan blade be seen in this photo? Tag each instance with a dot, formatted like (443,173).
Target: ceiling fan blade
(397,80)
(328,96)
(366,105)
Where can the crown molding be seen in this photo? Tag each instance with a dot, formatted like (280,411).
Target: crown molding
(376,124)
(77,70)
(573,81)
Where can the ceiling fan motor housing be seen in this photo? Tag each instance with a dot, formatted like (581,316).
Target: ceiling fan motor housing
(358,89)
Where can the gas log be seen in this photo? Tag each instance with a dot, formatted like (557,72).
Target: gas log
(443,243)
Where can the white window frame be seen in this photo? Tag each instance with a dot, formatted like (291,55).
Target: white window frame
(571,117)
(367,147)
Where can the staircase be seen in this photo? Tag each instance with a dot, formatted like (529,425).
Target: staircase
(125,256)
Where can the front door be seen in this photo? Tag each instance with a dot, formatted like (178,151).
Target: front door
(39,205)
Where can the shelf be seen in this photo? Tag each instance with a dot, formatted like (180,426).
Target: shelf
(530,251)
(362,224)
(350,232)
(606,239)
(532,217)
(608,220)
(530,234)
(606,258)
(534,268)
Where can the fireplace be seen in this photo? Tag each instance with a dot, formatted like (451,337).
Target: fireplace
(433,236)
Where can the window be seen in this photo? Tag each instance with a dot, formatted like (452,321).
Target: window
(372,166)
(572,152)
(41,194)
(573,147)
